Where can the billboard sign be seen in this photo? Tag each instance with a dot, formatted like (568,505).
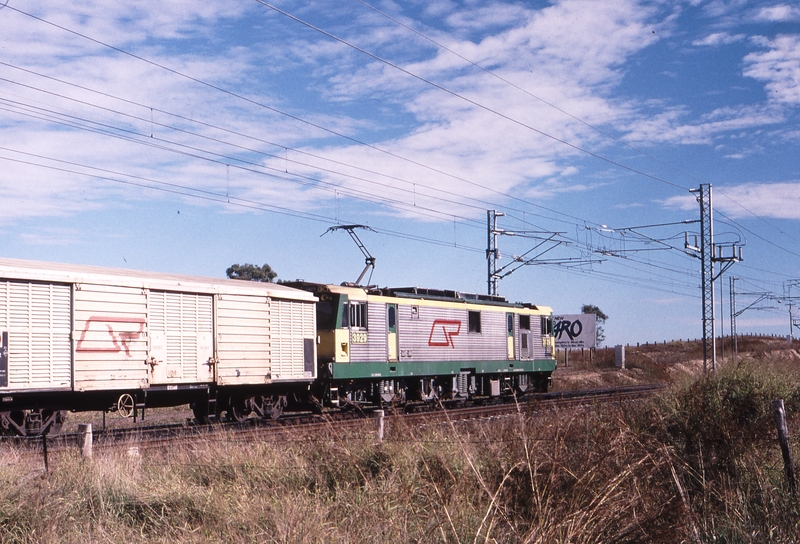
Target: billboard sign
(575,331)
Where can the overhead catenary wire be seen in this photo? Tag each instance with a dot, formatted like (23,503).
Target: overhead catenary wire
(473,102)
(485,203)
(215,87)
(212,196)
(721,192)
(268,107)
(504,195)
(152,144)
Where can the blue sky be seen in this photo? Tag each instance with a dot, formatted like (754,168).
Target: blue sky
(190,136)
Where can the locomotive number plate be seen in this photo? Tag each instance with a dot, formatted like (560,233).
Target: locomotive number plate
(358,337)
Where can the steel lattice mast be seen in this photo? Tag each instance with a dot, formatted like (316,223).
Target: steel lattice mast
(734,337)
(492,253)
(726,254)
(707,259)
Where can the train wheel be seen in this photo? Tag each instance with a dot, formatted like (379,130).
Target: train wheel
(274,406)
(238,410)
(57,421)
(125,405)
(13,422)
(200,411)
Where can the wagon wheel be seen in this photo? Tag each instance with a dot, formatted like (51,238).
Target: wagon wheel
(238,410)
(58,422)
(125,405)
(276,405)
(200,411)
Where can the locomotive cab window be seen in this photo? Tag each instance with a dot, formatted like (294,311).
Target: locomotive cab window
(547,325)
(474,321)
(358,315)
(525,322)
(327,308)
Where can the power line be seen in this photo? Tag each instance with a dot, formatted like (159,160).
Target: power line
(469,100)
(317,126)
(268,108)
(183,190)
(595,128)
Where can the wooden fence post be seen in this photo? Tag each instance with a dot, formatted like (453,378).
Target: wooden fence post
(786,449)
(85,439)
(379,424)
(44,452)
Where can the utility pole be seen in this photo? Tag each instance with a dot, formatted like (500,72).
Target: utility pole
(734,338)
(544,243)
(789,298)
(706,273)
(721,318)
(492,253)
(709,254)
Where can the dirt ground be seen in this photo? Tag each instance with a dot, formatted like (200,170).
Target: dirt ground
(668,362)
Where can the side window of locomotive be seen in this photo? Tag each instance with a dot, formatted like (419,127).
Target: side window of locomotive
(525,322)
(547,326)
(474,321)
(358,315)
(392,317)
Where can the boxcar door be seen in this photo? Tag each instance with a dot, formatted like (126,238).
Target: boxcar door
(391,331)
(181,337)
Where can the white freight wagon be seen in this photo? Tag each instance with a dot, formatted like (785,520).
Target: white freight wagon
(90,338)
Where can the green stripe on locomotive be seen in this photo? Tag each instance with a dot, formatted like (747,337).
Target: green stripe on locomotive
(394,370)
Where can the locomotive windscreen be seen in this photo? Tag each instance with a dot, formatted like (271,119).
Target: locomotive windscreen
(327,312)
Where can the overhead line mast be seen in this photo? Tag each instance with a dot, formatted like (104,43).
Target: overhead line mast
(549,240)
(492,253)
(708,255)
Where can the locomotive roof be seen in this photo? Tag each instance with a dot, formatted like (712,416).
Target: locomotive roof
(17,269)
(420,293)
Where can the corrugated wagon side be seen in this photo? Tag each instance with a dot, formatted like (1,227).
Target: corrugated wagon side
(88,338)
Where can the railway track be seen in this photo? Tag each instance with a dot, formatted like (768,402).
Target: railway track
(153,437)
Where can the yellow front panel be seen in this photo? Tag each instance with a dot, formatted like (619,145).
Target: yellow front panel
(392,339)
(342,345)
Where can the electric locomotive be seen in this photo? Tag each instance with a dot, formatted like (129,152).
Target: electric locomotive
(401,345)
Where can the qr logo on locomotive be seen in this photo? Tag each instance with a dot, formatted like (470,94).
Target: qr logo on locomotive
(443,331)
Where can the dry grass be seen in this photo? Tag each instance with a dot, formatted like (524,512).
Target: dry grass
(699,464)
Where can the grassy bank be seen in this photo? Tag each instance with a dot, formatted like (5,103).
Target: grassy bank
(699,464)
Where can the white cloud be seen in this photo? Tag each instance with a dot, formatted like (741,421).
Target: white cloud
(778,68)
(766,200)
(669,126)
(572,53)
(778,13)
(719,38)
(555,52)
